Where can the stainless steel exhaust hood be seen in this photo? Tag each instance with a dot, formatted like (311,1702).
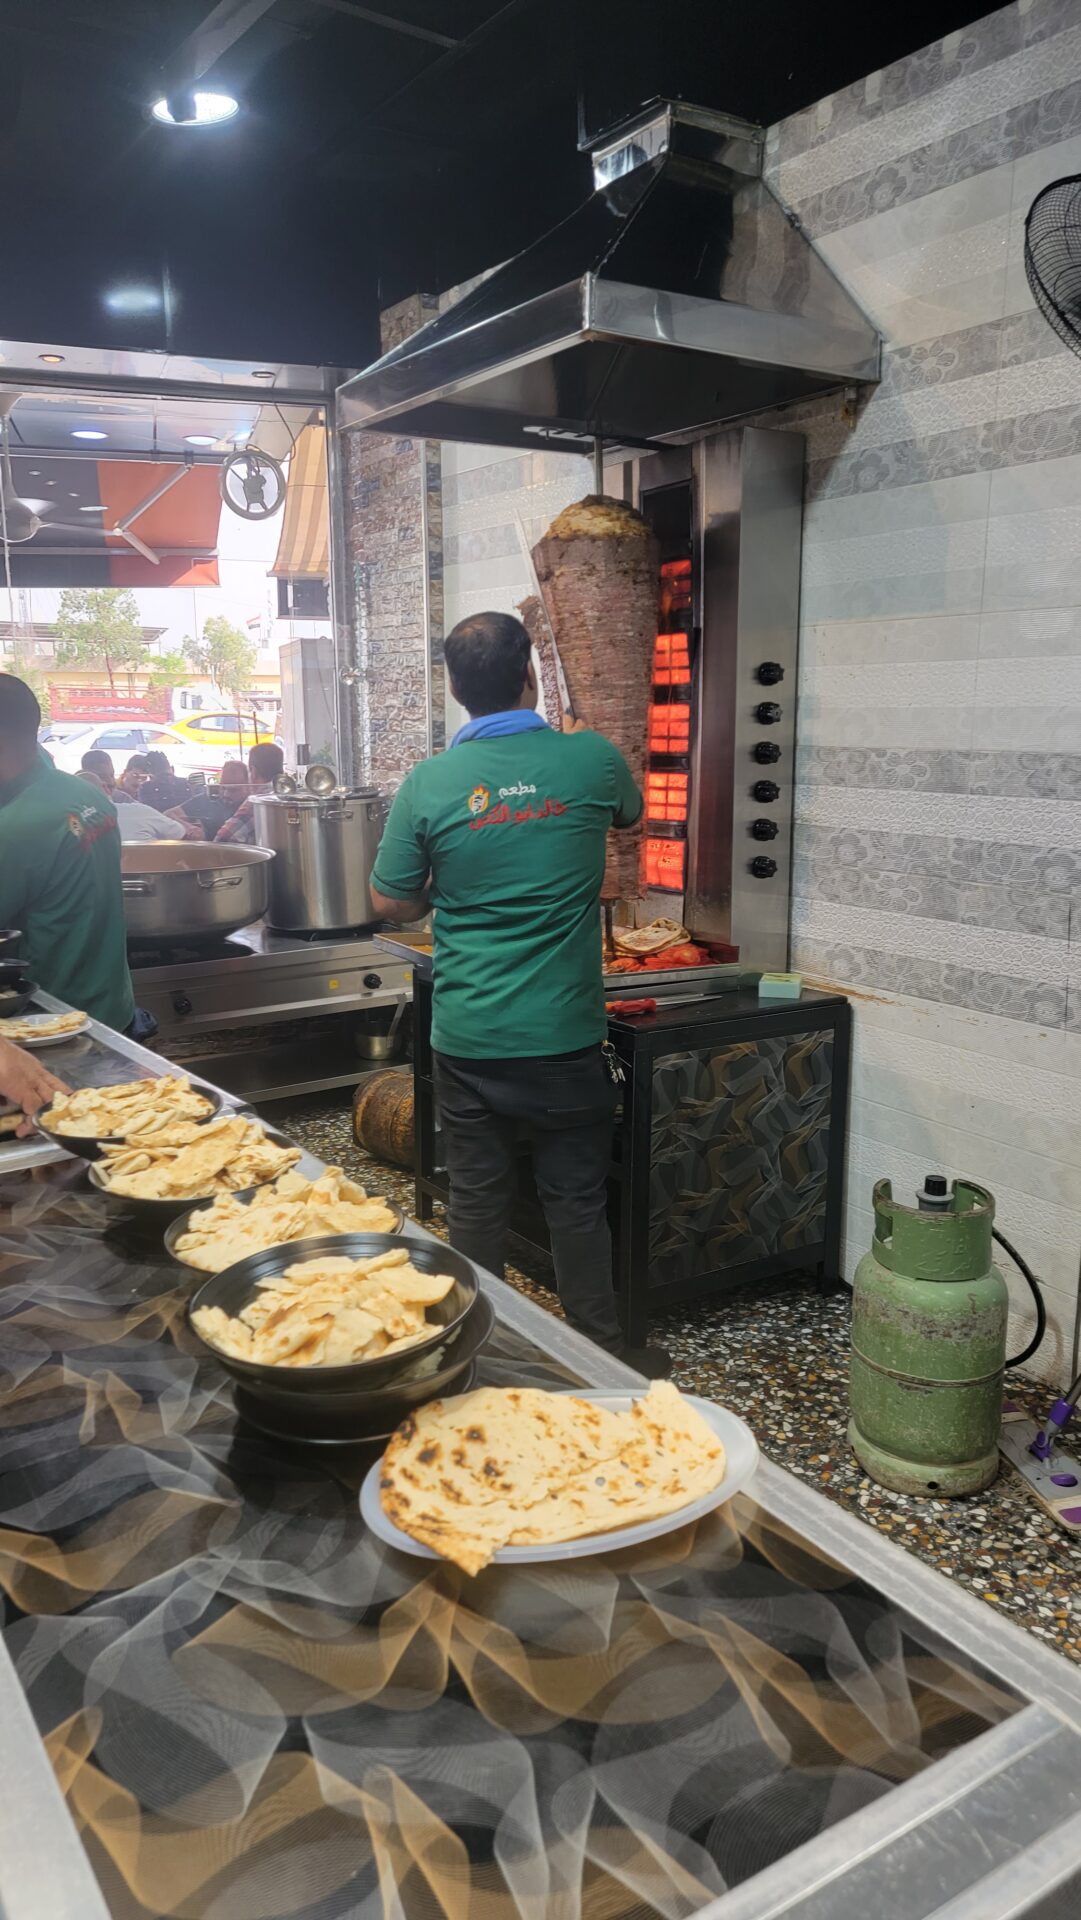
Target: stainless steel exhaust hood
(678,297)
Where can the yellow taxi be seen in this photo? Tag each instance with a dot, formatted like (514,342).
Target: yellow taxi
(217,733)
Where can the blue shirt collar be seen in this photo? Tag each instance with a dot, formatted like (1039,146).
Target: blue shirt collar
(492,726)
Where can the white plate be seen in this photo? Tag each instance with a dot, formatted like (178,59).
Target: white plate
(34,1039)
(741,1459)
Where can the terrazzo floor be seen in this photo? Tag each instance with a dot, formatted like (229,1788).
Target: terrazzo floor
(777,1355)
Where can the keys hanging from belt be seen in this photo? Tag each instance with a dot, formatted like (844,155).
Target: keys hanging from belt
(611,1060)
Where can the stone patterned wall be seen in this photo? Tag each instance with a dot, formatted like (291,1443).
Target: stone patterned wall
(938,838)
(486,491)
(389,484)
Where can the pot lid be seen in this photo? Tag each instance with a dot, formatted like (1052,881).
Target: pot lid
(315,800)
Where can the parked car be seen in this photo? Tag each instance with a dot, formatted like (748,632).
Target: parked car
(217,733)
(122,738)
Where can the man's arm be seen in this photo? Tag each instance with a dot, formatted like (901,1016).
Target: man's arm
(400,876)
(402,912)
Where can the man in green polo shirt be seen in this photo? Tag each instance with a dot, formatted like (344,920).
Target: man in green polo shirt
(60,870)
(504,836)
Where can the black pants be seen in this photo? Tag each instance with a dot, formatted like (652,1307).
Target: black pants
(563,1105)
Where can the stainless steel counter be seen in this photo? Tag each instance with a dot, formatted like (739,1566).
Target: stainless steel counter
(989,1831)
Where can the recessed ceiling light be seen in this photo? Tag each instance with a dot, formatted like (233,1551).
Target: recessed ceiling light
(88,433)
(98,509)
(199,439)
(133,300)
(34,472)
(186,109)
(262,373)
(52,359)
(72,495)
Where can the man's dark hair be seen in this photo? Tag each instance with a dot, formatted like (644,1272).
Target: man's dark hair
(157,764)
(265,761)
(139,763)
(20,715)
(487,658)
(99,762)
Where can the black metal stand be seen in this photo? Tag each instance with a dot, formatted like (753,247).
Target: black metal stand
(727,1157)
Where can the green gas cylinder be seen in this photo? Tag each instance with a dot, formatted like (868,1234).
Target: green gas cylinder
(929,1314)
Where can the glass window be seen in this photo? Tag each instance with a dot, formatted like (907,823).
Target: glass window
(118,738)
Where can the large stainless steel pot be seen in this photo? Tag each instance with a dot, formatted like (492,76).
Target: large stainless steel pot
(325,847)
(190,891)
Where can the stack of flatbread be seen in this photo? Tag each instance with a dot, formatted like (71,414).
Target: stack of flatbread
(292,1209)
(41,1027)
(518,1467)
(186,1161)
(135,1106)
(330,1312)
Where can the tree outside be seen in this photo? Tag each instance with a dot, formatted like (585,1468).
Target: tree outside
(168,670)
(227,656)
(99,627)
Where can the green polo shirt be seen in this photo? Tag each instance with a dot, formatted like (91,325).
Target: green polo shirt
(512,832)
(60,882)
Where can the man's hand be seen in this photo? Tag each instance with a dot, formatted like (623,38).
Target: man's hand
(575,726)
(25,1081)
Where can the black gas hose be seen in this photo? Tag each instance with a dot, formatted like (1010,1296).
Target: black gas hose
(1015,1359)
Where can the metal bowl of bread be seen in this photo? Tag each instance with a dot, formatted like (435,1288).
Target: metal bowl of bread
(341,1314)
(92,1119)
(156,1179)
(16,993)
(219,1233)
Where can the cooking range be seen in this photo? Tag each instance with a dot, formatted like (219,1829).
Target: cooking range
(256,977)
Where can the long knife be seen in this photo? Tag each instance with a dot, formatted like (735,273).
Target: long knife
(561,678)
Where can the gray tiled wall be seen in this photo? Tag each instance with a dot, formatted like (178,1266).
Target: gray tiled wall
(938,819)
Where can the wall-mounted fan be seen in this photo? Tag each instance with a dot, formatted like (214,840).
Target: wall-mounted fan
(19,518)
(1053,257)
(253,484)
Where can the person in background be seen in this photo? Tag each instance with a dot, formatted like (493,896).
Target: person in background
(60,870)
(213,806)
(25,1082)
(504,835)
(163,790)
(135,776)
(265,762)
(137,822)
(100,764)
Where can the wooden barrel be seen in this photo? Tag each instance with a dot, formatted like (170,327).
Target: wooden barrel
(383,1117)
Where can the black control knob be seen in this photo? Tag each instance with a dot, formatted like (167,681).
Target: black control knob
(181,1003)
(766,792)
(766,752)
(764,829)
(767,713)
(763,867)
(373,980)
(770,672)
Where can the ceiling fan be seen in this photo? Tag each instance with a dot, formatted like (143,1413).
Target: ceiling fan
(21,518)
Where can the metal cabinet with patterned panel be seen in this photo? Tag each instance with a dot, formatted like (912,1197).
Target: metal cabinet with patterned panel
(727,1153)
(734,1134)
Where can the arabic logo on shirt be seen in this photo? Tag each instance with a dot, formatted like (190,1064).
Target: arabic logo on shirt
(478,800)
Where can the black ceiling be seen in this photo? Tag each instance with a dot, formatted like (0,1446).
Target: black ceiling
(367,161)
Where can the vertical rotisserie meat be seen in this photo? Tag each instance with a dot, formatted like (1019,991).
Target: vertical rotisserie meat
(597,568)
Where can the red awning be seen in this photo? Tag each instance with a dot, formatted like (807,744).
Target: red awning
(186,518)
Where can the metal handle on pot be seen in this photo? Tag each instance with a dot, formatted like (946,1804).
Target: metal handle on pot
(138,888)
(210,882)
(336,811)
